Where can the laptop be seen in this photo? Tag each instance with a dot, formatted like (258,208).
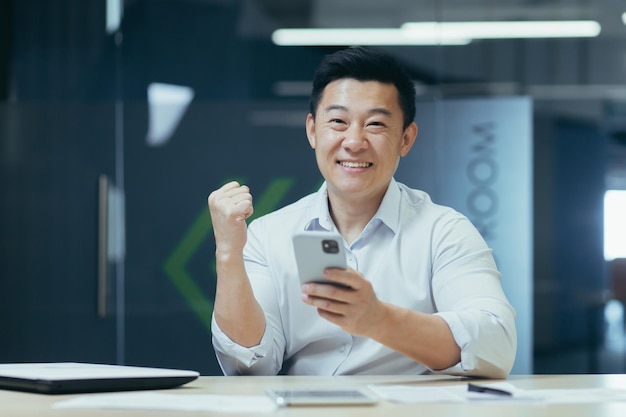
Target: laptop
(72,377)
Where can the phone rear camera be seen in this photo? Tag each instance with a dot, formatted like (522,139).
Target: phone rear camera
(330,246)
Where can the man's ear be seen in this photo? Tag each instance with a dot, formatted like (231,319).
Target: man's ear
(408,139)
(310,130)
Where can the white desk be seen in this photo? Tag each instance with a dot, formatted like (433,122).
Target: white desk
(13,403)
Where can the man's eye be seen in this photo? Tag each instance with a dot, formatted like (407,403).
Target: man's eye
(376,124)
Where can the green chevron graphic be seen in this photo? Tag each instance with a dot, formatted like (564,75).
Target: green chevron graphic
(175,265)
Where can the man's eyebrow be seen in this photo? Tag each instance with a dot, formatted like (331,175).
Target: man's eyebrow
(381,110)
(335,107)
(376,110)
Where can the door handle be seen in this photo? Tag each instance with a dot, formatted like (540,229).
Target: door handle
(111,240)
(103,243)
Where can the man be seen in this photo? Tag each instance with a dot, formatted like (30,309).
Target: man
(424,293)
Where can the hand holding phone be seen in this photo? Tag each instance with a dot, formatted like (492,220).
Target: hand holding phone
(315,251)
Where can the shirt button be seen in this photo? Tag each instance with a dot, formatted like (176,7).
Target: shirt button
(342,348)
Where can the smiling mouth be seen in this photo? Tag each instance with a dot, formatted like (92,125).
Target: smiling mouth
(349,164)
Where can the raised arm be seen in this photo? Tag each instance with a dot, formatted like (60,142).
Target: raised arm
(236,310)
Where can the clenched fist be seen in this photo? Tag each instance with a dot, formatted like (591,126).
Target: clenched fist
(230,206)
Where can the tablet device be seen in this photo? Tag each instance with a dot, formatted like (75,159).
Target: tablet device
(70,377)
(321,396)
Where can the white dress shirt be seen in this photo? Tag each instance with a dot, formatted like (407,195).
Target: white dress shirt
(417,254)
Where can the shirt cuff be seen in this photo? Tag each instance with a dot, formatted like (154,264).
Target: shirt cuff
(247,356)
(462,338)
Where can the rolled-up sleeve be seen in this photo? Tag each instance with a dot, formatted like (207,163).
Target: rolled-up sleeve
(488,343)
(235,359)
(265,358)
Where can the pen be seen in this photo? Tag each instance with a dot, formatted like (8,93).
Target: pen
(487,390)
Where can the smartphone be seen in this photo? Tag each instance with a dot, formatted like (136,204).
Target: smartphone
(293,397)
(316,251)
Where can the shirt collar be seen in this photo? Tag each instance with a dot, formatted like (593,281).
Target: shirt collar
(318,217)
(389,210)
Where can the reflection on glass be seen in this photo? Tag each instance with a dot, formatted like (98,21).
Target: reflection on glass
(166,106)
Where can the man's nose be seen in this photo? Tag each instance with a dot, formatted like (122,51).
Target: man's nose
(355,139)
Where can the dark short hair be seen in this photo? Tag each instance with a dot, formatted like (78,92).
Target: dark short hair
(365,64)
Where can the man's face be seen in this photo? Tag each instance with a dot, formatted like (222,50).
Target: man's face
(358,137)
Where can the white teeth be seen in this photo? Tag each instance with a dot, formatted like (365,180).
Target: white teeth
(354,164)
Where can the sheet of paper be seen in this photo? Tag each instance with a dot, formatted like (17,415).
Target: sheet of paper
(459,393)
(171,402)
(408,394)
(580,396)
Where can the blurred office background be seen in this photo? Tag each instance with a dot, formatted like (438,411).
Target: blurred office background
(117,118)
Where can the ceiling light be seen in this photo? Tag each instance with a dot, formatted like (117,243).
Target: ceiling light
(361,36)
(624,17)
(504,29)
(437,33)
